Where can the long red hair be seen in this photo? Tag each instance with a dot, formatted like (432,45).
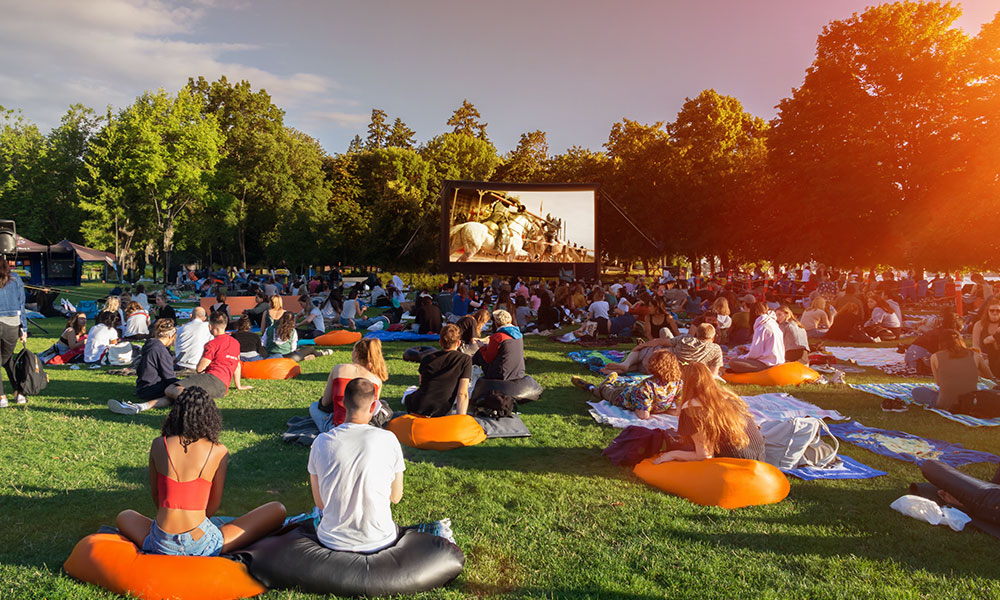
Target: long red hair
(722,415)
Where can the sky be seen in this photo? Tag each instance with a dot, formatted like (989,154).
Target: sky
(571,68)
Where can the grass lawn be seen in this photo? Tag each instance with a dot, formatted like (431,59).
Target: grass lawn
(547,516)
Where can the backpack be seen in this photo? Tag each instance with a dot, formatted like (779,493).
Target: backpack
(494,405)
(983,404)
(798,442)
(29,373)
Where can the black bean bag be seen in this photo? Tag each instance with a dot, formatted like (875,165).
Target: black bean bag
(525,389)
(417,353)
(296,560)
(506,427)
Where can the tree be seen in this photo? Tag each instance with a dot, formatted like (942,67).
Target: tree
(302,225)
(153,162)
(401,136)
(378,130)
(357,144)
(459,156)
(466,120)
(526,161)
(859,149)
(22,152)
(576,165)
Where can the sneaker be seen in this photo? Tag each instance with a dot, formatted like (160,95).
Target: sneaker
(894,405)
(3,402)
(20,399)
(580,383)
(838,377)
(123,408)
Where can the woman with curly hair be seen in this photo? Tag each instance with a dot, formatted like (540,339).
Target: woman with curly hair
(367,362)
(656,394)
(713,421)
(136,322)
(187,471)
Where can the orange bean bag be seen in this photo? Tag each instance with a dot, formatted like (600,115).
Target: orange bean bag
(725,482)
(270,368)
(437,433)
(338,337)
(789,373)
(114,563)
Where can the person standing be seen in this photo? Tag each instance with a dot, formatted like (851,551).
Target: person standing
(13,326)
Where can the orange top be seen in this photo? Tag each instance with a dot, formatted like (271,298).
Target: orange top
(185,495)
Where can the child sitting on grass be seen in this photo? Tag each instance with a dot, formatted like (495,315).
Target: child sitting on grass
(656,394)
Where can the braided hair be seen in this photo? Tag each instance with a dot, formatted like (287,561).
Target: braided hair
(193,416)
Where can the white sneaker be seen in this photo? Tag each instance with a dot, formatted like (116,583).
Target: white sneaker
(123,408)
(4,403)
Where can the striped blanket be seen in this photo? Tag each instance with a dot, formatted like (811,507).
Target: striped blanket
(903,391)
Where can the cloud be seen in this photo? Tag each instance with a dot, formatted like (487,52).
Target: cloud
(99,52)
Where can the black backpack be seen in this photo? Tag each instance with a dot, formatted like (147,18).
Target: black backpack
(494,405)
(29,374)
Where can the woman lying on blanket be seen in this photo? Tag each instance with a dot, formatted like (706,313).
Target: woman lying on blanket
(714,420)
(187,471)
(656,394)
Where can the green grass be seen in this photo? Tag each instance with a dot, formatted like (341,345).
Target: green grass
(546,516)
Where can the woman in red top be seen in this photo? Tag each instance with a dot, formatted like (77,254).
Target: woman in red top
(187,471)
(366,361)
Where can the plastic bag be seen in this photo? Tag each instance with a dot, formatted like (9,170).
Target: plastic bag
(930,512)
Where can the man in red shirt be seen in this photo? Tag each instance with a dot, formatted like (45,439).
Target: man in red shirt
(219,364)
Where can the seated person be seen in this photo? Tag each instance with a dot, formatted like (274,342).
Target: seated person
(522,313)
(713,420)
(793,335)
(883,324)
(219,365)
(351,315)
(444,379)
(220,303)
(767,347)
(311,323)
(136,322)
(471,327)
(367,362)
(155,371)
(656,394)
(548,315)
(163,308)
(918,354)
(101,335)
(191,340)
(256,314)
(187,471)
(355,472)
(428,316)
(251,347)
(282,341)
(503,356)
(687,348)
(956,371)
(846,322)
(75,334)
(815,320)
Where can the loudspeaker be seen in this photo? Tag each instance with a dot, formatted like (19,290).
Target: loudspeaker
(8,237)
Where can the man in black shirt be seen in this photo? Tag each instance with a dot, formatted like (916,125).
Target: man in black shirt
(444,379)
(428,316)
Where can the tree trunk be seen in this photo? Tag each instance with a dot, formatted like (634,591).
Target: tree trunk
(168,244)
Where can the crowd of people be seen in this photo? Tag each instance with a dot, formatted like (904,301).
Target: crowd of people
(691,328)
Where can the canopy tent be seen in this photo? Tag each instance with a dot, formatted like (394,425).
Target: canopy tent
(56,265)
(30,260)
(86,254)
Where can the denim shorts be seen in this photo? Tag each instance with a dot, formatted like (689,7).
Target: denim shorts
(183,544)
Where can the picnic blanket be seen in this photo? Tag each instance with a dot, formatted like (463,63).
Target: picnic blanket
(597,359)
(764,407)
(400,336)
(846,468)
(903,391)
(906,446)
(867,357)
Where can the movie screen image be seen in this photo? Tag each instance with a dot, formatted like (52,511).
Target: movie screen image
(510,224)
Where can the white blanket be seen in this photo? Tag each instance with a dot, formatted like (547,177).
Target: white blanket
(867,357)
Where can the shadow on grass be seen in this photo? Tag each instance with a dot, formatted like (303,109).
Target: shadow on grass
(259,420)
(522,459)
(893,538)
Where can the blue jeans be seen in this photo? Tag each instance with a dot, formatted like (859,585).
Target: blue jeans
(925,396)
(363,323)
(323,419)
(183,544)
(622,323)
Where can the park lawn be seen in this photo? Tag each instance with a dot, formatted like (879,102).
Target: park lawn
(546,516)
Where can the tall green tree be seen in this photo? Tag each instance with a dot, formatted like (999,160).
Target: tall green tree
(459,156)
(525,162)
(356,145)
(467,120)
(858,149)
(22,154)
(60,215)
(378,130)
(154,161)
(401,136)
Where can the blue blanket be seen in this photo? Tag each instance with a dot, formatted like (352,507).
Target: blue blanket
(904,392)
(847,469)
(401,336)
(906,446)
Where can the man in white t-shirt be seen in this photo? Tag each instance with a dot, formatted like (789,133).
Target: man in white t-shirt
(191,340)
(356,471)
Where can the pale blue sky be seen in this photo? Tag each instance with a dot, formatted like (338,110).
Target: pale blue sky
(570,68)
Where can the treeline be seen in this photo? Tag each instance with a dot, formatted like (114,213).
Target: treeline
(888,153)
